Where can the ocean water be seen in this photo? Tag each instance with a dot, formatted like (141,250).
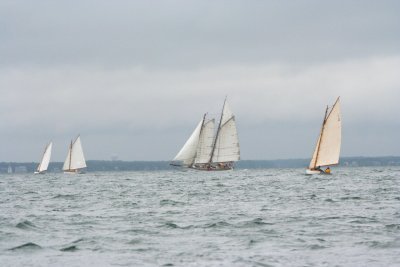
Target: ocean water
(271,217)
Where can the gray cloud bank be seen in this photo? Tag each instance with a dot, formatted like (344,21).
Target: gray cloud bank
(194,33)
(135,77)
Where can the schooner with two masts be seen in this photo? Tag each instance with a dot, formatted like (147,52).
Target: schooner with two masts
(206,151)
(327,149)
(75,161)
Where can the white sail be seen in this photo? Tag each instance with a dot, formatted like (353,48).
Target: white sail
(226,113)
(327,150)
(44,163)
(226,147)
(67,162)
(314,157)
(205,145)
(187,153)
(75,158)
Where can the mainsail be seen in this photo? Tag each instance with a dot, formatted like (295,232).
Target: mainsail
(75,159)
(327,150)
(226,146)
(67,162)
(205,145)
(44,163)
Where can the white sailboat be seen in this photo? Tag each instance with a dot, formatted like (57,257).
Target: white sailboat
(75,161)
(204,151)
(327,149)
(44,163)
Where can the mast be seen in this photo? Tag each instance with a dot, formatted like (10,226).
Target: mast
(216,136)
(201,130)
(337,100)
(320,137)
(70,155)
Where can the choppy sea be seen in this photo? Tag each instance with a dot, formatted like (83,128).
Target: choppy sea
(271,217)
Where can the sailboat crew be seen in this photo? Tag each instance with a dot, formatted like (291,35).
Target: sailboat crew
(318,168)
(328,170)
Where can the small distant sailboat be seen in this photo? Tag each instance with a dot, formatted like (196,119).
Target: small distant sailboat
(204,151)
(9,169)
(327,149)
(75,161)
(44,163)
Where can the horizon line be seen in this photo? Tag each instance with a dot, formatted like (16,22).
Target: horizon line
(288,159)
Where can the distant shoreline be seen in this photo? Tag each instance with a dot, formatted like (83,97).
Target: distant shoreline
(108,165)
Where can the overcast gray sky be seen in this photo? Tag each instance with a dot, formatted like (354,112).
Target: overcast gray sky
(135,77)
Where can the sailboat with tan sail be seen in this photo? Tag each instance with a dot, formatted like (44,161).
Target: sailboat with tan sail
(327,149)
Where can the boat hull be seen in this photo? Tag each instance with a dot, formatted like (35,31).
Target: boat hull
(312,172)
(77,171)
(220,166)
(43,172)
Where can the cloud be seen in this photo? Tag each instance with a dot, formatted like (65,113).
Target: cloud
(136,102)
(134,77)
(192,34)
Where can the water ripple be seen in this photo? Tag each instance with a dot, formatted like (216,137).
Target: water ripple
(272,217)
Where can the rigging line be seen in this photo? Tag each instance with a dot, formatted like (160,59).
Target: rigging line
(216,136)
(320,137)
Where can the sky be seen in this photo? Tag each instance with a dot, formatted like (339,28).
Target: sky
(134,78)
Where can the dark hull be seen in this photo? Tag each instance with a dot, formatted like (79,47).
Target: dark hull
(223,166)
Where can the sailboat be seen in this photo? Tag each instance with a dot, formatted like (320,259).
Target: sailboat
(327,149)
(206,151)
(75,161)
(44,163)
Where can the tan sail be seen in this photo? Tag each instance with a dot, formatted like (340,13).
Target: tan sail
(327,150)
